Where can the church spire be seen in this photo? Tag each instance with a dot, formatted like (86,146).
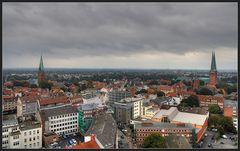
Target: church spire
(213,64)
(41,67)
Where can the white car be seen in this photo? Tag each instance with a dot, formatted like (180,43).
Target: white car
(224,136)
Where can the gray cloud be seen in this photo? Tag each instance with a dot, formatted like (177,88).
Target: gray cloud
(75,30)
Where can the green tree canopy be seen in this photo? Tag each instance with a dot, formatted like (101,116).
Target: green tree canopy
(160,93)
(44,84)
(214,109)
(154,141)
(222,123)
(141,91)
(204,91)
(33,86)
(191,101)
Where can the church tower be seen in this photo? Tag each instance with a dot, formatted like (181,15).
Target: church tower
(41,74)
(213,71)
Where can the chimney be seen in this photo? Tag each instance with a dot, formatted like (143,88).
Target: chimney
(92,137)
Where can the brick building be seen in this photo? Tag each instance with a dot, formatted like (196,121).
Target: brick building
(205,100)
(146,128)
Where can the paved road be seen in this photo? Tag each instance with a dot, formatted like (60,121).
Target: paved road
(208,139)
(124,141)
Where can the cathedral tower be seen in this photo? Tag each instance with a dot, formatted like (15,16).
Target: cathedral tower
(41,74)
(213,71)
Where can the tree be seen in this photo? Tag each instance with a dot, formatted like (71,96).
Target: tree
(160,94)
(44,84)
(33,86)
(154,82)
(214,109)
(191,101)
(141,91)
(204,91)
(154,141)
(194,139)
(222,123)
(201,82)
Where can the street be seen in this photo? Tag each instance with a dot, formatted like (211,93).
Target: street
(208,139)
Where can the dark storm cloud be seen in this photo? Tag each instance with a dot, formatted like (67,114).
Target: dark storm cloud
(100,29)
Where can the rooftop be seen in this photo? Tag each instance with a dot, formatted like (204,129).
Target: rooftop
(104,128)
(29,124)
(9,120)
(230,103)
(29,99)
(174,115)
(58,110)
(53,100)
(149,123)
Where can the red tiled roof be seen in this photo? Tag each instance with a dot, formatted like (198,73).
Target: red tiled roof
(7,91)
(165,87)
(228,111)
(7,97)
(53,100)
(92,144)
(172,94)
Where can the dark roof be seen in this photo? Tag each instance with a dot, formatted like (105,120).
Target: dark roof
(59,110)
(28,99)
(104,127)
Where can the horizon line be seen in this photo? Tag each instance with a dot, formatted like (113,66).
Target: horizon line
(116,68)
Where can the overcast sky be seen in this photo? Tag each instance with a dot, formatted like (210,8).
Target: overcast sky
(120,35)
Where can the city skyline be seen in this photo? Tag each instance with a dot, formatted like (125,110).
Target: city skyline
(133,36)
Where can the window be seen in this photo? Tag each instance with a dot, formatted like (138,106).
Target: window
(15,143)
(37,131)
(30,139)
(37,143)
(37,137)
(30,145)
(25,140)
(25,133)
(30,132)
(25,146)
(34,138)
(33,132)
(16,137)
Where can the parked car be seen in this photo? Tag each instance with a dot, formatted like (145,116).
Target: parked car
(222,143)
(214,130)
(74,141)
(209,145)
(70,142)
(224,136)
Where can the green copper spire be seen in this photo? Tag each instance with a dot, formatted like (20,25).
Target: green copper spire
(41,68)
(213,64)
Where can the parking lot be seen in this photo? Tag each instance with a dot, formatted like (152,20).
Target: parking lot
(226,143)
(209,141)
(66,141)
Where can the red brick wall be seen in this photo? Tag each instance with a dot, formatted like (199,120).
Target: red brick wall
(204,100)
(228,111)
(201,132)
